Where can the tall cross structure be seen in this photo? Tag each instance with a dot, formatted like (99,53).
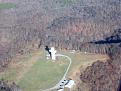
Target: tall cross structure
(53,52)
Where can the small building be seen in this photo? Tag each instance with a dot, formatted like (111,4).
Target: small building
(70,84)
(61,89)
(72,51)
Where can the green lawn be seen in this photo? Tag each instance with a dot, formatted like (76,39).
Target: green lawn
(7,5)
(34,72)
(43,74)
(12,72)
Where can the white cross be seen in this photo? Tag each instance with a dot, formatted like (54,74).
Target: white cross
(53,51)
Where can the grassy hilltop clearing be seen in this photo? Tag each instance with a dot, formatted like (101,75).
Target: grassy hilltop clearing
(90,27)
(34,72)
(7,5)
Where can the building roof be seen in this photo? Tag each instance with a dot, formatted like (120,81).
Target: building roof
(70,84)
(61,89)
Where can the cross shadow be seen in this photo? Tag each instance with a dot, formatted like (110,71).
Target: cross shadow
(47,49)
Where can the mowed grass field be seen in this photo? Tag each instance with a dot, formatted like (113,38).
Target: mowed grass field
(34,73)
(43,75)
(7,5)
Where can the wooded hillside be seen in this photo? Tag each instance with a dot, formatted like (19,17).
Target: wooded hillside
(85,25)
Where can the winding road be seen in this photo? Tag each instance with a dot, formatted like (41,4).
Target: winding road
(64,76)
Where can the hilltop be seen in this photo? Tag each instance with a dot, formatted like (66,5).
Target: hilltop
(85,25)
